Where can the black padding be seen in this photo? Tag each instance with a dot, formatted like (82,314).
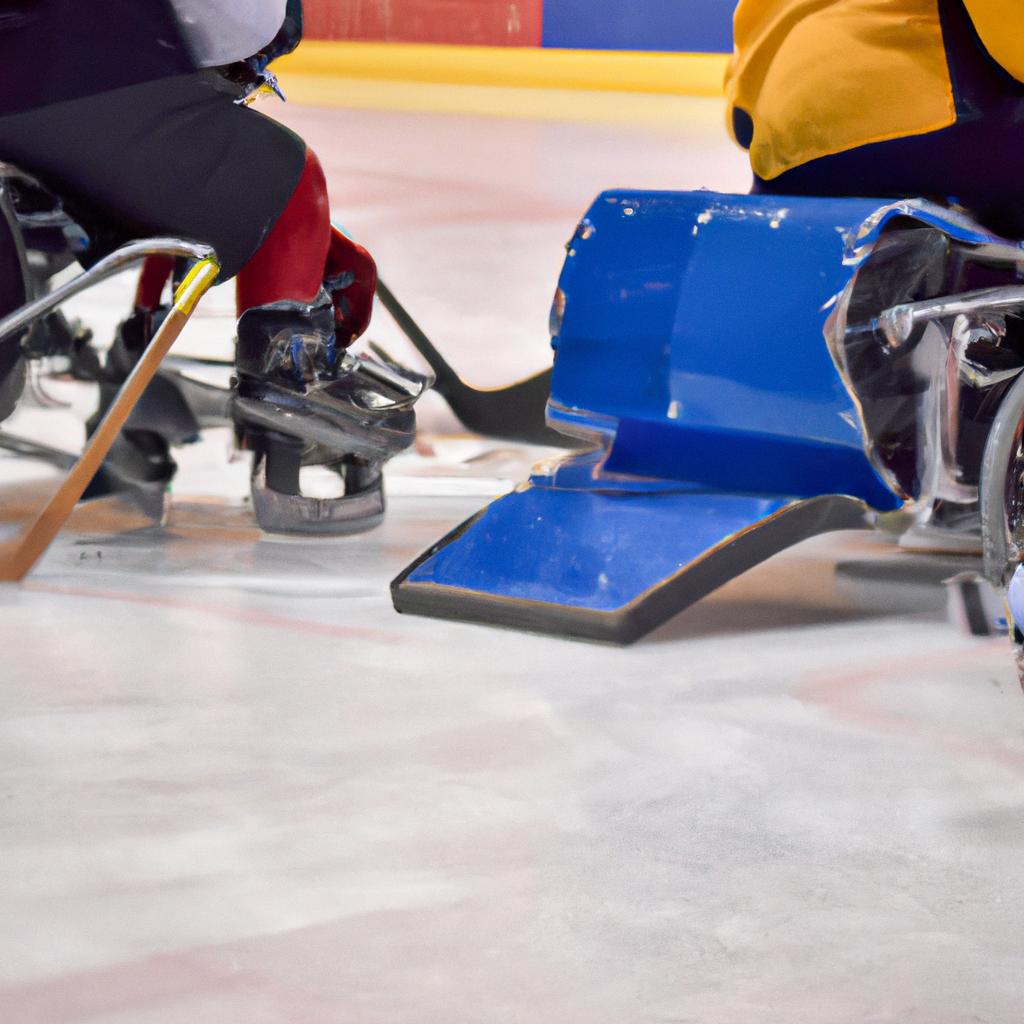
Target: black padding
(175,156)
(742,127)
(13,294)
(52,51)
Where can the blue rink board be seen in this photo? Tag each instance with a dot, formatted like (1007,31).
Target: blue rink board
(695,26)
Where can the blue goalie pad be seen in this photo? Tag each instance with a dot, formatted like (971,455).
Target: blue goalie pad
(690,349)
(608,567)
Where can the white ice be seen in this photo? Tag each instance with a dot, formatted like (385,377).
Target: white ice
(237,788)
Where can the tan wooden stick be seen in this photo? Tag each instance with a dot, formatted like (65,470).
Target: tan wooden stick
(18,557)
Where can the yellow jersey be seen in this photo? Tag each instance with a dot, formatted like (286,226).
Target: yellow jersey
(810,78)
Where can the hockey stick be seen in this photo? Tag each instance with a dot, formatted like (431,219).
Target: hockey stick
(512,413)
(18,556)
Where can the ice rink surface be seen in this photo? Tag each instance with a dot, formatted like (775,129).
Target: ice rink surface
(237,788)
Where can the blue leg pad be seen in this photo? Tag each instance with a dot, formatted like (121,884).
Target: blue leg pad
(606,566)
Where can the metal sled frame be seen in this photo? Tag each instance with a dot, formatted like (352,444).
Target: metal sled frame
(18,556)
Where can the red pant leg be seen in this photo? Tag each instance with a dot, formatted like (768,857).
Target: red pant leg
(289,265)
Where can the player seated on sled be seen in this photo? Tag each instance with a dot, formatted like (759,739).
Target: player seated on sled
(899,99)
(131,112)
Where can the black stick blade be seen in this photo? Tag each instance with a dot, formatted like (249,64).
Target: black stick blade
(513,413)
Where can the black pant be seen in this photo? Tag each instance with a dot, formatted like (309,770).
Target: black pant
(175,156)
(978,162)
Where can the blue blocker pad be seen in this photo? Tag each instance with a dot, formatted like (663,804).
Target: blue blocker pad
(689,342)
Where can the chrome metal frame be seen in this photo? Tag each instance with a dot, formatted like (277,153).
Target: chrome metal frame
(939,419)
(1000,545)
(120,259)
(897,324)
(939,354)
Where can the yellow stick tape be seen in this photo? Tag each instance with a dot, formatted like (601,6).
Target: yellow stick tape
(196,284)
(680,74)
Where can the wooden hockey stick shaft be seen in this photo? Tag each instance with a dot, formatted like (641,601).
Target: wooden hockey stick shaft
(19,556)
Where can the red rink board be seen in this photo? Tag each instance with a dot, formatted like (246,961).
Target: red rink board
(463,22)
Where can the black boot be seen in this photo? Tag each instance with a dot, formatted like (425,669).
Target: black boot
(300,401)
(53,335)
(140,458)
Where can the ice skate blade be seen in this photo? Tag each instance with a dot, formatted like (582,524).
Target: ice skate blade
(293,514)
